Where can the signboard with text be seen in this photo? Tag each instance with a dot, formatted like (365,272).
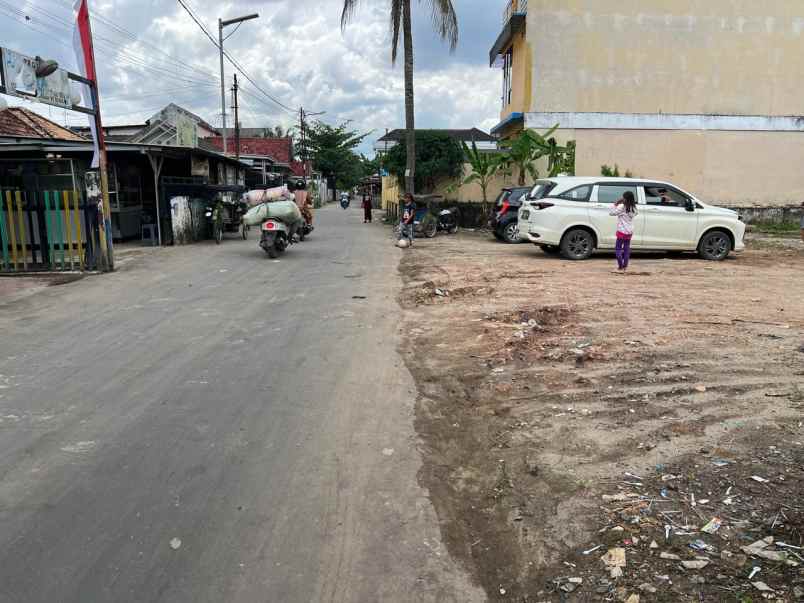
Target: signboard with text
(19,79)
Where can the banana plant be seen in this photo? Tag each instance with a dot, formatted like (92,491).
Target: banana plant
(484,167)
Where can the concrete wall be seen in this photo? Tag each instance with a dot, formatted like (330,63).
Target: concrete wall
(669,56)
(720,167)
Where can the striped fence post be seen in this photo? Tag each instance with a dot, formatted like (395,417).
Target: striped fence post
(4,242)
(11,230)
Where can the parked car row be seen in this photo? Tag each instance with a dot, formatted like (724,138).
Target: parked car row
(571,216)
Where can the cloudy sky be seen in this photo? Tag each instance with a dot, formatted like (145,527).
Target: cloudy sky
(150,52)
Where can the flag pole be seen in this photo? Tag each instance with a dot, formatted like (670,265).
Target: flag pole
(84,33)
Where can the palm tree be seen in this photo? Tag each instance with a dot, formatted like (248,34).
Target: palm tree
(445,22)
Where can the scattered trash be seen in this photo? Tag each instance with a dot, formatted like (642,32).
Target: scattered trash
(762,587)
(441,293)
(502,591)
(358,297)
(696,564)
(593,549)
(664,493)
(388,451)
(720,463)
(754,571)
(713,525)
(654,544)
(648,588)
(632,599)
(669,556)
(700,545)
(761,480)
(614,561)
(700,388)
(568,585)
(175,544)
(622,497)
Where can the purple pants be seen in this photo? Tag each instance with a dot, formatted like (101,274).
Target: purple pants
(623,250)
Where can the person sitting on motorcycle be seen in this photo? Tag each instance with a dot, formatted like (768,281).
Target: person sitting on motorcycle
(303,202)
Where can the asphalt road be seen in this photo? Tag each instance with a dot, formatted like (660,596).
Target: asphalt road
(250,409)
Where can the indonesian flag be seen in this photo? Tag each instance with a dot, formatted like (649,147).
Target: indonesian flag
(85,57)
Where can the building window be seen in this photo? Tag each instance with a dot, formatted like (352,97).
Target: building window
(508,60)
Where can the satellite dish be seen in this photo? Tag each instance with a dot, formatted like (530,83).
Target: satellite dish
(45,67)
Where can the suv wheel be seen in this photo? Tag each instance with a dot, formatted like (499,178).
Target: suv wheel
(511,233)
(577,244)
(715,246)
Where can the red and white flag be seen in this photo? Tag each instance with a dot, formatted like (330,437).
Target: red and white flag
(85,57)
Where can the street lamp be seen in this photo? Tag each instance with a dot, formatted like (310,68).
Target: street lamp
(221,24)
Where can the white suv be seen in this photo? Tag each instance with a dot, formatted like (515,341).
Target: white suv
(571,215)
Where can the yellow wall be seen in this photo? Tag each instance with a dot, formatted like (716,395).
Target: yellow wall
(521,71)
(723,168)
(390,191)
(671,56)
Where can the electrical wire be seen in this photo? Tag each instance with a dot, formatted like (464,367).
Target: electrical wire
(234,63)
(123,32)
(103,43)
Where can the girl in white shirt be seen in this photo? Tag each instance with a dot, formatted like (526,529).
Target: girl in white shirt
(625,209)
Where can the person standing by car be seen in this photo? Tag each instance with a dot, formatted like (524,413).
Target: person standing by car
(408,218)
(625,209)
(366,208)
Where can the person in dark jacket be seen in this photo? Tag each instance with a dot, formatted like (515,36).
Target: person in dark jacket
(366,208)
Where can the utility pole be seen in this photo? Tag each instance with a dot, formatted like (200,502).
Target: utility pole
(223,83)
(237,120)
(221,24)
(303,143)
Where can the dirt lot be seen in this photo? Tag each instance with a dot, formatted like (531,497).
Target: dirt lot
(563,407)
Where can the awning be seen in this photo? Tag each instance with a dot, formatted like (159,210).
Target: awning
(512,119)
(515,24)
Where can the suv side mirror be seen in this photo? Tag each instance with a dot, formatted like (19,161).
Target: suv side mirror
(689,205)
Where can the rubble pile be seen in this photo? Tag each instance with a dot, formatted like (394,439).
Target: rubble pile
(708,528)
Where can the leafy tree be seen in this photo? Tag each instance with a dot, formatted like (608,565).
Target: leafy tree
(330,149)
(484,167)
(437,156)
(445,22)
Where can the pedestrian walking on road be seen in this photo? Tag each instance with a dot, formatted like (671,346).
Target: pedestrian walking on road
(625,209)
(408,217)
(366,208)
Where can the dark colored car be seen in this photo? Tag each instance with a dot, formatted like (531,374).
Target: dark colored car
(504,217)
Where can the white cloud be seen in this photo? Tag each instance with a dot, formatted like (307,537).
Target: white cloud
(295,51)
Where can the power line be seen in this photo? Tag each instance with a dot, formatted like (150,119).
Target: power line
(234,63)
(97,17)
(101,42)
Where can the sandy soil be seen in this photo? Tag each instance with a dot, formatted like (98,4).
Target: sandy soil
(545,385)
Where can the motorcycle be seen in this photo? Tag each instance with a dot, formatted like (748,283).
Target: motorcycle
(276,236)
(448,220)
(214,216)
(305,229)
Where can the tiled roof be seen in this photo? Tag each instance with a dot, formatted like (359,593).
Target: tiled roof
(470,134)
(18,121)
(279,149)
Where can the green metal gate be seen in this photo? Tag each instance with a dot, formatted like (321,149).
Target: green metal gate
(46,231)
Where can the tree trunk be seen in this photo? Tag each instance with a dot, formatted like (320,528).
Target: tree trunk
(410,125)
